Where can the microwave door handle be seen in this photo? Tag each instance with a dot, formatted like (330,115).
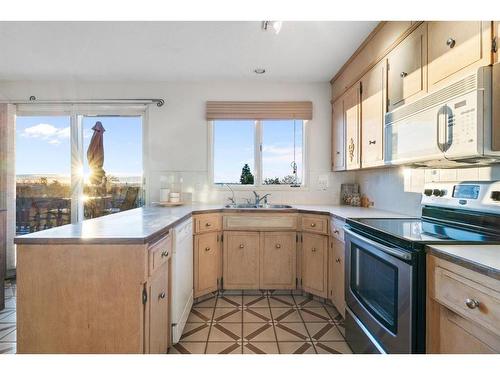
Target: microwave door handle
(440,113)
(389,250)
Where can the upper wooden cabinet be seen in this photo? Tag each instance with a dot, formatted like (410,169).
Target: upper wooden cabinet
(406,69)
(241,260)
(372,116)
(351,101)
(457,49)
(338,135)
(278,260)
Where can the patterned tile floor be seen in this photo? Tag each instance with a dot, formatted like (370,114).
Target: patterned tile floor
(237,323)
(8,320)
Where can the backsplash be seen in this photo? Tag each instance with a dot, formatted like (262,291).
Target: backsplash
(399,189)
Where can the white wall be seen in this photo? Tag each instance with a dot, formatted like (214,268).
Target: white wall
(176,143)
(399,189)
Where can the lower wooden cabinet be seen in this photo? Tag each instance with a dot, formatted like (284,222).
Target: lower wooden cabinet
(159,327)
(315,264)
(207,263)
(278,259)
(241,260)
(336,281)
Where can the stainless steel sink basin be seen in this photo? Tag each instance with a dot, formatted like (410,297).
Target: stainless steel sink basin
(249,205)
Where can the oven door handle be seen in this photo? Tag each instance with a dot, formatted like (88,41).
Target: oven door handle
(389,250)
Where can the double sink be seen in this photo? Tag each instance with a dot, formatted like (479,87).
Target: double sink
(251,205)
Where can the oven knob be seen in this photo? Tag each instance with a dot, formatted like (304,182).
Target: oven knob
(428,192)
(443,193)
(495,196)
(436,192)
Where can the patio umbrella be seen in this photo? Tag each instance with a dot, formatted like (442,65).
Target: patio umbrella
(95,154)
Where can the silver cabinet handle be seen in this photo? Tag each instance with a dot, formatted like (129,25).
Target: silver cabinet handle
(372,142)
(313,249)
(336,231)
(278,246)
(403,74)
(207,249)
(207,224)
(451,42)
(337,260)
(161,295)
(164,254)
(471,303)
(313,225)
(338,152)
(241,246)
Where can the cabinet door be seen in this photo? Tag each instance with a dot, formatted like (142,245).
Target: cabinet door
(158,311)
(206,263)
(372,116)
(352,126)
(455,46)
(241,260)
(338,297)
(338,136)
(496,36)
(406,76)
(278,254)
(315,264)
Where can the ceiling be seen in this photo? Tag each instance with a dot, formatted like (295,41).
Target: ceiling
(177,51)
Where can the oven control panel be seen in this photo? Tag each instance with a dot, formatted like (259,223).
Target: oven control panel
(471,195)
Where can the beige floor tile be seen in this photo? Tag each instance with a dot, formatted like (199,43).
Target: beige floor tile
(229,301)
(210,302)
(291,332)
(296,347)
(315,314)
(224,348)
(333,312)
(7,348)
(286,315)
(255,347)
(195,332)
(281,301)
(186,347)
(258,332)
(225,332)
(324,332)
(305,301)
(255,301)
(257,315)
(332,347)
(227,315)
(200,315)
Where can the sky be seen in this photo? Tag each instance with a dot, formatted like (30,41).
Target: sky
(234,146)
(43,144)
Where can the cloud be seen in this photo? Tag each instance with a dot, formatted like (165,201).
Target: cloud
(47,132)
(280,154)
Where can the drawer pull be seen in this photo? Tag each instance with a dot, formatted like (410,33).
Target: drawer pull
(164,254)
(241,246)
(471,303)
(337,260)
(161,295)
(372,142)
(278,246)
(207,249)
(313,225)
(450,42)
(336,231)
(402,75)
(313,249)
(207,224)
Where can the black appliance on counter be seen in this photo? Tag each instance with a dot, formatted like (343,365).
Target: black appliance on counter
(385,263)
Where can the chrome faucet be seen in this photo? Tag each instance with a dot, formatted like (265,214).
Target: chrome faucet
(231,199)
(258,198)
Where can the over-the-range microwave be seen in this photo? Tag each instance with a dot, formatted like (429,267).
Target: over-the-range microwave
(449,128)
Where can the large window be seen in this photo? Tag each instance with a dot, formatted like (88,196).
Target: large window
(268,152)
(66,172)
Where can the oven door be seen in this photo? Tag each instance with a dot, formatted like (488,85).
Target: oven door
(379,293)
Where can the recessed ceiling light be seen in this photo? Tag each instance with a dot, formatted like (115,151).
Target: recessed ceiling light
(272,25)
(259,71)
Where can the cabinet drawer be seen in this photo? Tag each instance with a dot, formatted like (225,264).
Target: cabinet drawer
(337,229)
(159,252)
(469,298)
(207,223)
(315,224)
(267,222)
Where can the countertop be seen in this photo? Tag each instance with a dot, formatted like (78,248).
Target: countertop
(140,225)
(484,259)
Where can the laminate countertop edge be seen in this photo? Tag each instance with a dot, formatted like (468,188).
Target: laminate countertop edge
(91,231)
(447,253)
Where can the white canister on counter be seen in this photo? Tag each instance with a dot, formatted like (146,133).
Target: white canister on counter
(175,197)
(164,194)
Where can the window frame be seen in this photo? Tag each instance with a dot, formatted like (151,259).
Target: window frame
(258,139)
(76,113)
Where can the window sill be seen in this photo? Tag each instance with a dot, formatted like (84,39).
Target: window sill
(218,187)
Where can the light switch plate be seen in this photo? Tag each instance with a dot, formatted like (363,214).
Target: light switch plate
(323,182)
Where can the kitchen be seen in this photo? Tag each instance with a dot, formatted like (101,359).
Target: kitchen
(379,234)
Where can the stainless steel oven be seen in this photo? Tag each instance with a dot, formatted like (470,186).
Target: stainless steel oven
(379,296)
